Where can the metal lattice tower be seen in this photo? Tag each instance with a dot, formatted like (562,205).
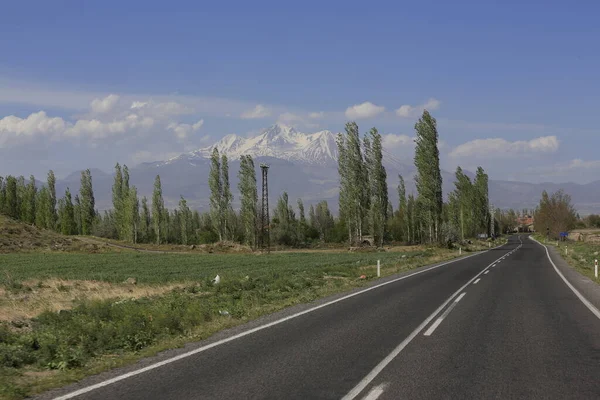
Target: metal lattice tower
(265,239)
(492,224)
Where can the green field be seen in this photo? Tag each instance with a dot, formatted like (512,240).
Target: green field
(163,268)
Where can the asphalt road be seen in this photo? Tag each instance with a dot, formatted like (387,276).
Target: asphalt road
(511,330)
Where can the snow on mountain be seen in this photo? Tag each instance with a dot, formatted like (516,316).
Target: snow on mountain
(278,141)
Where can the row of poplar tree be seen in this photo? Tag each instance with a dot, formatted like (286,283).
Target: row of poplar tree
(422,218)
(364,206)
(142,221)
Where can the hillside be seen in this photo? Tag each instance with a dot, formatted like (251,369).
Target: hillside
(19,237)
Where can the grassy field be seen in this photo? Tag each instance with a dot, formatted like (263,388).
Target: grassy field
(580,255)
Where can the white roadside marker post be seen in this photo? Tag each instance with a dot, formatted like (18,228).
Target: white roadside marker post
(460,251)
(378,269)
(596,268)
(566,250)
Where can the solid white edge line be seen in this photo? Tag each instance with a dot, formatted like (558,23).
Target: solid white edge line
(388,359)
(475,283)
(585,301)
(248,332)
(376,392)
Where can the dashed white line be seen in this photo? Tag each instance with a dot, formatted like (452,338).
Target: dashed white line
(356,390)
(437,323)
(486,272)
(375,392)
(475,283)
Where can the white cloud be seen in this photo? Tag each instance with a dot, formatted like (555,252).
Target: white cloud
(316,115)
(498,148)
(182,131)
(391,141)
(15,130)
(138,104)
(96,129)
(581,164)
(408,111)
(364,110)
(104,105)
(259,111)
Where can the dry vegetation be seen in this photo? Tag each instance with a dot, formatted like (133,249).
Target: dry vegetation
(33,297)
(19,237)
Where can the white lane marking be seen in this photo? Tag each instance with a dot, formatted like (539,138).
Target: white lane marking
(375,392)
(585,301)
(388,359)
(245,333)
(437,323)
(475,283)
(485,273)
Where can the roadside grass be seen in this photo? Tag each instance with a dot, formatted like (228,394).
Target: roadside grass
(580,255)
(78,317)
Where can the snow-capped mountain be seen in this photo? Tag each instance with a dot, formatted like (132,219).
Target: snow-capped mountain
(278,141)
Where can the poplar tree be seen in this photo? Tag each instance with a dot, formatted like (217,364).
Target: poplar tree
(249,199)
(428,178)
(42,209)
(132,215)
(52,200)
(29,201)
(402,209)
(88,203)
(67,215)
(158,207)
(354,193)
(145,221)
(185,221)
(117,200)
(482,208)
(377,179)
(216,194)
(226,196)
(77,215)
(411,218)
(21,198)
(465,203)
(11,201)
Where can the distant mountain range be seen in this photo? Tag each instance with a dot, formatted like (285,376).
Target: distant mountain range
(305,166)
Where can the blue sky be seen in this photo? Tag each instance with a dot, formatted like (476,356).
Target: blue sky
(514,85)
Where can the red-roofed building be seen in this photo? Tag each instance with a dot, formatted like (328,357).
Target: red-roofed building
(525,223)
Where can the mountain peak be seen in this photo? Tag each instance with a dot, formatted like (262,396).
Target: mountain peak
(278,141)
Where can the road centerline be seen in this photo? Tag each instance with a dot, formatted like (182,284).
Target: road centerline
(357,390)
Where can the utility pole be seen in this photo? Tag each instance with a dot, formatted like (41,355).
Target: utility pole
(265,240)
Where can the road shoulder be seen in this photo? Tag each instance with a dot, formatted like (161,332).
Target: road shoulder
(588,288)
